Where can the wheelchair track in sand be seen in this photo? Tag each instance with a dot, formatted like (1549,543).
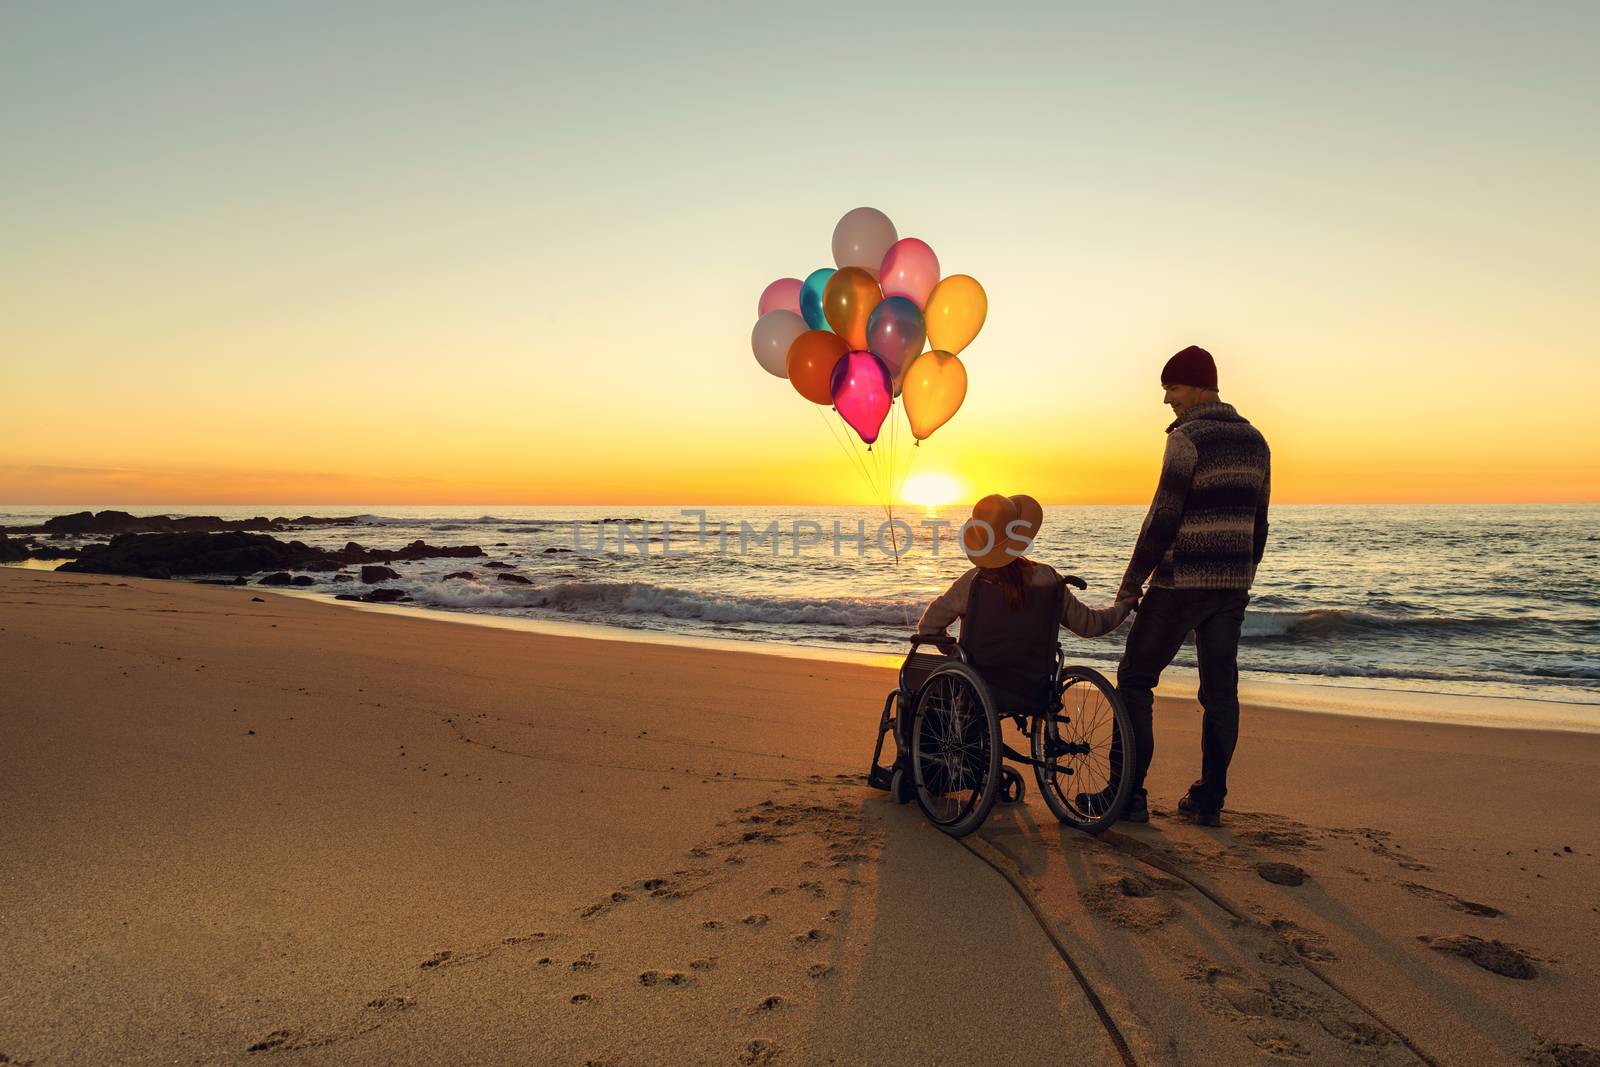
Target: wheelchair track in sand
(1191,975)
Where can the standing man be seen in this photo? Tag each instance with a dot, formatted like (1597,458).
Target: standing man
(1202,538)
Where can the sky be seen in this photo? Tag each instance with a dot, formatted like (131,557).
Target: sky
(511,253)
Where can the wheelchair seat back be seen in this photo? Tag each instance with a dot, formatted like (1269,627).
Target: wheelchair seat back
(1014,648)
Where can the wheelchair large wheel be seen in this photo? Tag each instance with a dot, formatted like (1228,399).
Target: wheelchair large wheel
(955,750)
(1086,752)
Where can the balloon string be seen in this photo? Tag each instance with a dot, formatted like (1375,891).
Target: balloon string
(850,454)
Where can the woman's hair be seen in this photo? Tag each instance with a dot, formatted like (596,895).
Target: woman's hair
(1012,580)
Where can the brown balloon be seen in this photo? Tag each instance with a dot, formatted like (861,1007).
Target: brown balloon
(812,357)
(847,303)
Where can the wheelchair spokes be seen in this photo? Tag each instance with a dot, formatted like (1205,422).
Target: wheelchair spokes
(955,756)
(1083,746)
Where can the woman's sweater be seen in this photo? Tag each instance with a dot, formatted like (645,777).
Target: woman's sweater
(1075,615)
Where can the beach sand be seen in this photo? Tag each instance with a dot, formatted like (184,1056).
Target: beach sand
(239,827)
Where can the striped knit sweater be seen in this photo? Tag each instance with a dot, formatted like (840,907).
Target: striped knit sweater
(1207,526)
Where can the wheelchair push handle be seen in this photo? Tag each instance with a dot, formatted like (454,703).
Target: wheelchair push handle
(1075,581)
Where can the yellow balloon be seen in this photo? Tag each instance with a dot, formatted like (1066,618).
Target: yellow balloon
(934,386)
(955,313)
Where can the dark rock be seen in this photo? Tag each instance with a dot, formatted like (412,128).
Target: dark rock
(370,575)
(497,565)
(556,548)
(230,581)
(12,551)
(302,579)
(280,578)
(514,579)
(459,574)
(257,600)
(377,596)
(344,577)
(120,522)
(163,555)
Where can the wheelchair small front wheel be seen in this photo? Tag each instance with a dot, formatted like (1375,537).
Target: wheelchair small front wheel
(1085,752)
(1012,787)
(955,750)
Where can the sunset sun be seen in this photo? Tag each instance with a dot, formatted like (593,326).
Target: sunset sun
(932,489)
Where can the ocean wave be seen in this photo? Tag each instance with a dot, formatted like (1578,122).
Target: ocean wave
(598,599)
(1322,623)
(453,522)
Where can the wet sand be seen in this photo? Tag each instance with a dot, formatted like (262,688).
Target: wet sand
(247,828)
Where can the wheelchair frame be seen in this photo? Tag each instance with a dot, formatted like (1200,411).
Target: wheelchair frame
(920,667)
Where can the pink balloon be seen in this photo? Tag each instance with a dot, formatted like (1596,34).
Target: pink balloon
(782,295)
(861,393)
(910,269)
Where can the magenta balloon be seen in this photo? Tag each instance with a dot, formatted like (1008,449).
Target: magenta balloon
(910,269)
(861,393)
(781,295)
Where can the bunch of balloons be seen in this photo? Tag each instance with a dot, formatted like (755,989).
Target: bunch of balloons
(879,325)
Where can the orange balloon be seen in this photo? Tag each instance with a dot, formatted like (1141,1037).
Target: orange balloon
(847,301)
(955,313)
(812,357)
(934,386)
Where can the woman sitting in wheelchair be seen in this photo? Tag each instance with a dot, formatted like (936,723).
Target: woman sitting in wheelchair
(1001,530)
(947,710)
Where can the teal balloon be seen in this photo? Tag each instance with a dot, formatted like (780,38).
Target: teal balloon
(811,298)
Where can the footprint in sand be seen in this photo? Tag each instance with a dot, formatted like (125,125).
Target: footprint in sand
(1281,873)
(810,937)
(604,904)
(710,924)
(537,935)
(1563,1054)
(704,964)
(819,970)
(758,1050)
(1495,956)
(1450,900)
(664,977)
(1307,944)
(584,962)
(772,1003)
(1132,901)
(435,960)
(581,998)
(758,919)
(276,1039)
(392,1003)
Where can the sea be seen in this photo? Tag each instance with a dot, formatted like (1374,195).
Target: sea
(1498,601)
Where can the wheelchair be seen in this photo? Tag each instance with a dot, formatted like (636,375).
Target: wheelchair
(946,720)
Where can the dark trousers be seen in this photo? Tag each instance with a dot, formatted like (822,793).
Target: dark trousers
(1165,617)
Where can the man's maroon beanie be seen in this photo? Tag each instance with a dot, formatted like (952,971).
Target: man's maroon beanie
(1193,366)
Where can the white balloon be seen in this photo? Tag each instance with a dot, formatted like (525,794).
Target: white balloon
(862,238)
(770,340)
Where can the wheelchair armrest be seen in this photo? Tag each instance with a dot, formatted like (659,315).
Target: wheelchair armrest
(1074,580)
(943,642)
